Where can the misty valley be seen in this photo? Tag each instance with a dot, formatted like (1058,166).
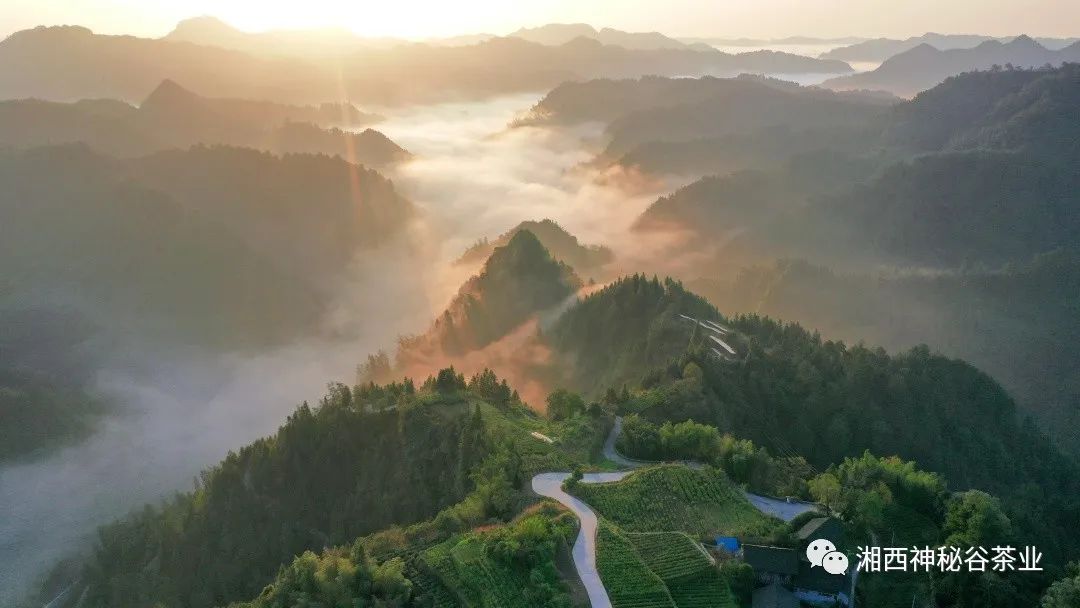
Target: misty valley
(566,317)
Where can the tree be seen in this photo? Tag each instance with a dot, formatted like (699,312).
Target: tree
(1065,593)
(974,519)
(563,404)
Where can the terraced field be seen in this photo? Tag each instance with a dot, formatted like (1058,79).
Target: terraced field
(472,571)
(658,570)
(629,581)
(677,498)
(671,555)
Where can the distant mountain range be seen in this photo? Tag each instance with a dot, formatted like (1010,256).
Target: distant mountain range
(650,110)
(174,117)
(786,41)
(556,34)
(880,49)
(69,63)
(924,66)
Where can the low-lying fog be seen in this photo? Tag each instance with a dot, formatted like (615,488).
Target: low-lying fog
(472,178)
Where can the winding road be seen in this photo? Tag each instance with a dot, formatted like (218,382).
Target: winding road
(584,551)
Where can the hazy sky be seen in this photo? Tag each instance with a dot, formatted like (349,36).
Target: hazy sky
(423,18)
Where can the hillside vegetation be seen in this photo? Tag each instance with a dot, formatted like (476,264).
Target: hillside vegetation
(189,241)
(675,498)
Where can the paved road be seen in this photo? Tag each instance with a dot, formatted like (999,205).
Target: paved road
(550,485)
(779,508)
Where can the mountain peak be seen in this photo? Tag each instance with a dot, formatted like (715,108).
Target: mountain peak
(168,94)
(1024,41)
(201,27)
(523,247)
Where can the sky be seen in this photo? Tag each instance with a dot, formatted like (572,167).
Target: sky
(437,18)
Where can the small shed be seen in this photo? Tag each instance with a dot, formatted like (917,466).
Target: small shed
(728,543)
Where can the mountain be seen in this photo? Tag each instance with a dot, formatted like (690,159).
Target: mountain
(70,62)
(797,393)
(1013,322)
(924,66)
(368,147)
(361,460)
(66,63)
(452,464)
(765,148)
(747,106)
(656,109)
(519,280)
(45,375)
(995,148)
(306,44)
(189,242)
(174,117)
(880,49)
(1021,110)
(562,245)
(556,34)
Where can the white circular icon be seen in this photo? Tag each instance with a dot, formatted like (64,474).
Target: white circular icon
(835,563)
(817,549)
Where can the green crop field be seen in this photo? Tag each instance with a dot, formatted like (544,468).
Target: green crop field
(629,581)
(671,555)
(473,570)
(676,498)
(707,590)
(652,570)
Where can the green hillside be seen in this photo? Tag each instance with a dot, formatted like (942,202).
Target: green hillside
(507,567)
(658,570)
(675,498)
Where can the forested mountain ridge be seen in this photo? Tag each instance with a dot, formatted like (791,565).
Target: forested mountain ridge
(174,117)
(608,100)
(787,389)
(362,460)
(796,393)
(372,476)
(189,241)
(995,148)
(585,260)
(994,319)
(519,279)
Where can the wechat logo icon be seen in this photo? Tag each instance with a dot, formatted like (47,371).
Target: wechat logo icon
(823,553)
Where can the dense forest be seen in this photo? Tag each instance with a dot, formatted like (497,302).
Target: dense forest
(190,230)
(874,212)
(189,241)
(585,260)
(1015,323)
(359,461)
(795,393)
(518,280)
